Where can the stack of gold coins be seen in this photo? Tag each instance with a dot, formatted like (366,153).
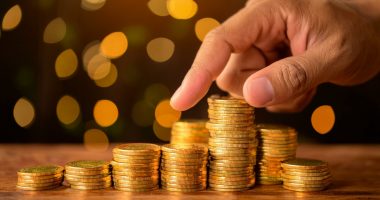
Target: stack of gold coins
(232,144)
(277,143)
(88,174)
(184,167)
(40,177)
(305,175)
(189,132)
(135,167)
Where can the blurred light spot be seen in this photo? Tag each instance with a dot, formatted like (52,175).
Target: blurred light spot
(12,18)
(160,49)
(55,31)
(158,7)
(323,119)
(66,64)
(109,79)
(98,67)
(143,113)
(23,112)
(105,113)
(89,51)
(95,140)
(114,45)
(68,110)
(155,93)
(203,26)
(182,9)
(92,5)
(161,132)
(165,114)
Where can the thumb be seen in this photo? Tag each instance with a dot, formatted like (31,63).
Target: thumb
(284,80)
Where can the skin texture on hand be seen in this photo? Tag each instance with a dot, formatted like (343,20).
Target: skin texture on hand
(274,53)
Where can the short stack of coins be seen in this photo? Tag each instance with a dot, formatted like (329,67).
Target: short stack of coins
(305,175)
(40,177)
(189,132)
(184,167)
(277,143)
(135,167)
(88,174)
(232,144)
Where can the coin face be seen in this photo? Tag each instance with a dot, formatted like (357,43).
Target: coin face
(302,163)
(41,170)
(135,148)
(87,165)
(184,148)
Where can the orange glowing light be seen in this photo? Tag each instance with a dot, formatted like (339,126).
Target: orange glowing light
(114,45)
(105,113)
(66,64)
(165,114)
(23,112)
(12,18)
(95,140)
(205,25)
(323,119)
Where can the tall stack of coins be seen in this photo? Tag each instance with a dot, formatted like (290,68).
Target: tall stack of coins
(135,167)
(184,167)
(40,177)
(305,175)
(189,132)
(232,144)
(277,143)
(88,174)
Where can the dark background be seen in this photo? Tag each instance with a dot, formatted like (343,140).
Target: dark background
(27,70)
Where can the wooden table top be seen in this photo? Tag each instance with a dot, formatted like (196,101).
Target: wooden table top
(355,168)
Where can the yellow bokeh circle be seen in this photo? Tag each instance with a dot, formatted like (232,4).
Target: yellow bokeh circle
(12,18)
(114,45)
(24,112)
(105,113)
(323,119)
(165,114)
(95,140)
(203,26)
(66,64)
(182,9)
(68,110)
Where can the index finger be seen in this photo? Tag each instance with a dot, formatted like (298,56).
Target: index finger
(232,36)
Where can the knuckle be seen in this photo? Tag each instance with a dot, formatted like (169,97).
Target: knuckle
(294,77)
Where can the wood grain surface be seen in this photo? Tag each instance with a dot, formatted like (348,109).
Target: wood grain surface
(355,168)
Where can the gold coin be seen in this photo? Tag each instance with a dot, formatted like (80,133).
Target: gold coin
(41,170)
(170,189)
(184,156)
(134,182)
(230,186)
(307,182)
(304,164)
(88,180)
(306,185)
(229,189)
(37,188)
(127,189)
(184,148)
(24,184)
(136,186)
(137,149)
(134,173)
(304,189)
(83,187)
(102,183)
(306,178)
(86,173)
(190,123)
(132,164)
(87,165)
(136,157)
(40,178)
(306,174)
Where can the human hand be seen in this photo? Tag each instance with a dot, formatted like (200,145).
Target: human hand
(274,54)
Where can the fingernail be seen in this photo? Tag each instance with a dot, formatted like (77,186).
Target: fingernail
(260,92)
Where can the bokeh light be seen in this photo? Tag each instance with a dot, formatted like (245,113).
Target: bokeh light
(155,93)
(182,9)
(158,7)
(160,49)
(323,119)
(109,79)
(105,113)
(161,132)
(68,110)
(98,67)
(95,140)
(12,18)
(55,31)
(24,112)
(89,51)
(165,114)
(203,26)
(143,113)
(114,45)
(92,5)
(66,64)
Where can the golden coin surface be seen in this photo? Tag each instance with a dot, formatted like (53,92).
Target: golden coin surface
(127,189)
(137,149)
(87,165)
(184,148)
(304,189)
(40,178)
(37,188)
(24,184)
(83,187)
(89,180)
(41,170)
(88,173)
(57,179)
